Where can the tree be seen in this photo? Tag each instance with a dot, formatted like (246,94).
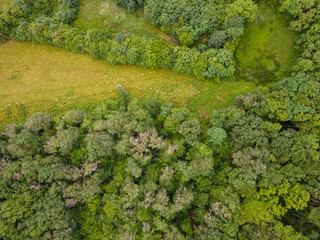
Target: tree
(268,231)
(190,130)
(243,8)
(305,20)
(217,39)
(39,122)
(217,135)
(234,27)
(81,192)
(24,144)
(50,207)
(296,7)
(99,145)
(63,142)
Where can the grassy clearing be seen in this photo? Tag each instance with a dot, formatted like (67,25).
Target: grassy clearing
(105,14)
(266,50)
(44,78)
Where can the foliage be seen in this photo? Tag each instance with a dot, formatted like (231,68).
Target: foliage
(189,20)
(127,48)
(267,50)
(242,8)
(131,5)
(127,169)
(147,169)
(217,39)
(296,7)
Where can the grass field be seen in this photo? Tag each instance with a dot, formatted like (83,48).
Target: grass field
(266,50)
(105,14)
(44,78)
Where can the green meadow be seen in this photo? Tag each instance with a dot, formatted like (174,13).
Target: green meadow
(43,78)
(266,51)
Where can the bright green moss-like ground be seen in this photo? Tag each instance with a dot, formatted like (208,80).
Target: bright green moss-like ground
(45,78)
(266,51)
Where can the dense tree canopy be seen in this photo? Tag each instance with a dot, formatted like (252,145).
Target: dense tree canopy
(150,170)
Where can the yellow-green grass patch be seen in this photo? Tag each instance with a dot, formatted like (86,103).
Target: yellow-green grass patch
(37,78)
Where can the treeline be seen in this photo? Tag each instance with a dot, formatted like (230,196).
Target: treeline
(129,49)
(53,29)
(49,22)
(128,169)
(306,21)
(126,48)
(64,11)
(189,20)
(221,21)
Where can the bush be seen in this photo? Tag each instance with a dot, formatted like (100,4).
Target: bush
(96,36)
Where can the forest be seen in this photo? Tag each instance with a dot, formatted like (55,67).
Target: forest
(132,167)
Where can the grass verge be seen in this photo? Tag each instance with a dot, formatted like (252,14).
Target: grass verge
(44,78)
